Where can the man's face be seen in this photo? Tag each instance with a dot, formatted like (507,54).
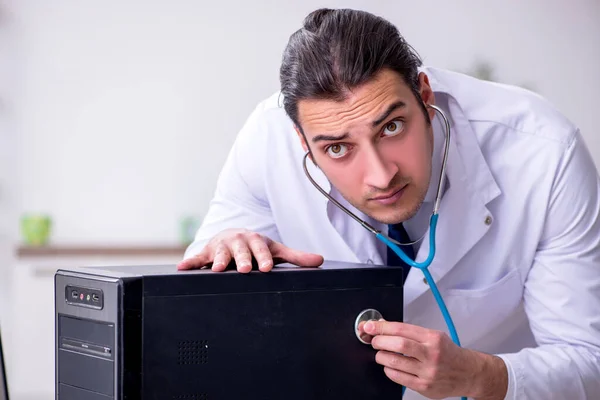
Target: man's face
(375,147)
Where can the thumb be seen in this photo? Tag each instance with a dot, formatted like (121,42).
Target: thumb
(296,257)
(197,261)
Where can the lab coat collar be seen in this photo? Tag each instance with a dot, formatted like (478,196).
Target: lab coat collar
(463,217)
(436,163)
(480,178)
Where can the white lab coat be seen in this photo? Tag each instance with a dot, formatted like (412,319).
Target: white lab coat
(518,248)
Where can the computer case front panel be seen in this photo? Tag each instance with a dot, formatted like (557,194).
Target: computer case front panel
(90,336)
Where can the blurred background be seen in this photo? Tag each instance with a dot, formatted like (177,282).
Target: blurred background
(116,117)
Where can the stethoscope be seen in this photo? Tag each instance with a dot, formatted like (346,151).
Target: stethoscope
(393,244)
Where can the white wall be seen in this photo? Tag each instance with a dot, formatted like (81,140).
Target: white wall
(127,108)
(116,115)
(8,161)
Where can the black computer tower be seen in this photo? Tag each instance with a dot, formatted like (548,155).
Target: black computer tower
(152,332)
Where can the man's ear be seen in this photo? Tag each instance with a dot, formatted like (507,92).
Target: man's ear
(304,144)
(426,93)
(301,137)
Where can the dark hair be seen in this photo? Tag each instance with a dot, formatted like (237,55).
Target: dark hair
(337,50)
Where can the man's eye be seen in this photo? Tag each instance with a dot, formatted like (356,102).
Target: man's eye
(337,150)
(393,128)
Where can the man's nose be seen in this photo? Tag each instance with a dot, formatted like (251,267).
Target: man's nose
(378,172)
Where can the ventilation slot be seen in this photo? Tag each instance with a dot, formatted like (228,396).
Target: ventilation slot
(193,352)
(201,396)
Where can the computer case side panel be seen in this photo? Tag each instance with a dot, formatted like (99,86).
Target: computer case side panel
(280,344)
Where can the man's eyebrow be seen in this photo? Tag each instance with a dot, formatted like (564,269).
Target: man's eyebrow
(330,137)
(378,121)
(391,108)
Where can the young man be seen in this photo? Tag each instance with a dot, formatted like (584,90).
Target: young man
(518,237)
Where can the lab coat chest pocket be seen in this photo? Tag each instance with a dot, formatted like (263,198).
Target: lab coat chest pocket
(479,311)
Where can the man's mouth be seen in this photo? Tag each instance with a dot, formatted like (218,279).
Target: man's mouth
(389,198)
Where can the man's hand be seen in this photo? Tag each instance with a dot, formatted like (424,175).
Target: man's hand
(241,245)
(428,362)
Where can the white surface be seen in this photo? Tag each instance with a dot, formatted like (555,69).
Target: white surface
(126,109)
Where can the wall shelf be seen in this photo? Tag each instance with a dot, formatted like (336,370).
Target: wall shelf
(100,251)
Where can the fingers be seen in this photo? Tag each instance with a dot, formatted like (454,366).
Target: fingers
(242,246)
(399,345)
(364,336)
(241,253)
(387,328)
(401,378)
(222,258)
(260,250)
(296,257)
(398,362)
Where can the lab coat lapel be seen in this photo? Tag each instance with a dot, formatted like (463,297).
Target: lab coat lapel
(463,215)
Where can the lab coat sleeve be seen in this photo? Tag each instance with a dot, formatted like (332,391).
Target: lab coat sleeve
(562,291)
(239,200)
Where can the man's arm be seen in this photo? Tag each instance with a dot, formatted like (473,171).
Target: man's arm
(562,291)
(239,226)
(490,380)
(562,300)
(239,200)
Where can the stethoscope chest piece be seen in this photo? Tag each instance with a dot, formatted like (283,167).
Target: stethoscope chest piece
(364,316)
